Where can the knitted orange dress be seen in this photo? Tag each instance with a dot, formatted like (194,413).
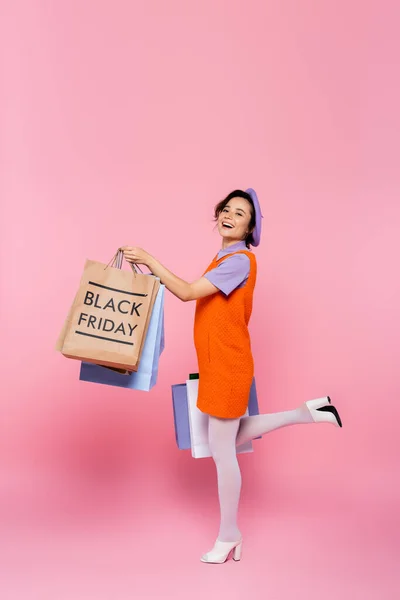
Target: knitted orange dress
(223,347)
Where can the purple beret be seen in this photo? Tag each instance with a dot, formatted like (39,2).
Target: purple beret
(257,210)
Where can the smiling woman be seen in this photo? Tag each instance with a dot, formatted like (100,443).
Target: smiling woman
(224,301)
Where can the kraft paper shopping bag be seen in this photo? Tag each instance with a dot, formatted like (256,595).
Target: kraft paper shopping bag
(108,321)
(146,375)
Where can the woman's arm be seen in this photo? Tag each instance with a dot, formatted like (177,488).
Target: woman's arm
(183,290)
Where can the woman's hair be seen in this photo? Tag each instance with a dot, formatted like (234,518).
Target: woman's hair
(238,194)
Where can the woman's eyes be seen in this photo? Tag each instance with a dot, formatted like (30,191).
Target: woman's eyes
(237,214)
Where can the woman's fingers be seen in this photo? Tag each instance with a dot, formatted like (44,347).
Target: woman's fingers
(128,250)
(134,254)
(130,256)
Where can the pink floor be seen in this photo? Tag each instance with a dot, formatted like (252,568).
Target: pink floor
(56,546)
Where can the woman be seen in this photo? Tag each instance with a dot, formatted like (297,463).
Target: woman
(224,297)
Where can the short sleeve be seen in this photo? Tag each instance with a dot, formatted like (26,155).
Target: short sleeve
(230,273)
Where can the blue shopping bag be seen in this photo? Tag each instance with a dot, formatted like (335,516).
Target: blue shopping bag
(181,416)
(181,412)
(146,375)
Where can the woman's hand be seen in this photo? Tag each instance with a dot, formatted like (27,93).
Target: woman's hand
(136,255)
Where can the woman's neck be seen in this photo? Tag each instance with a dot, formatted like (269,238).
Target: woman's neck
(228,243)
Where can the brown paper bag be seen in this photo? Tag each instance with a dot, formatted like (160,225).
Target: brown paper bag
(109,318)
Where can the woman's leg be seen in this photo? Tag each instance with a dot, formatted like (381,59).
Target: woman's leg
(222,441)
(223,436)
(252,427)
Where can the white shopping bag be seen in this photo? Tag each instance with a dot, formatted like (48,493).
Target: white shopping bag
(198,422)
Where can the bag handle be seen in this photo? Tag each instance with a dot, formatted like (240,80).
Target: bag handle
(117,260)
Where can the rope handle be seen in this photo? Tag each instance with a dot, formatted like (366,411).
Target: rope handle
(117,260)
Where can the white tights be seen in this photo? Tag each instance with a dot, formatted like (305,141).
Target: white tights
(224,435)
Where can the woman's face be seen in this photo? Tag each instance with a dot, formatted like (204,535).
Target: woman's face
(234,220)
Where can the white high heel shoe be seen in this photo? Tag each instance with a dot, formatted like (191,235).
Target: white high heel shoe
(322,411)
(221,551)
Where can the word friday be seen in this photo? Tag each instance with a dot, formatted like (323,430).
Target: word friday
(107,325)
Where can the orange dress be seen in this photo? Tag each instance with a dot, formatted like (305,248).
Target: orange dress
(223,347)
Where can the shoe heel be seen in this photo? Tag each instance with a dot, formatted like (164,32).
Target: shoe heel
(237,552)
(318,403)
(333,411)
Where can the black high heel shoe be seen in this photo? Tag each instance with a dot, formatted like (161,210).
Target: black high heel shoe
(322,411)
(332,409)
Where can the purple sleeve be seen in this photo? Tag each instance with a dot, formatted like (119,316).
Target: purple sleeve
(230,273)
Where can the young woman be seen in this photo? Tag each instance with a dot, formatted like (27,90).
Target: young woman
(224,298)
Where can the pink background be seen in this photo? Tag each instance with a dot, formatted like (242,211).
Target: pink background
(124,123)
